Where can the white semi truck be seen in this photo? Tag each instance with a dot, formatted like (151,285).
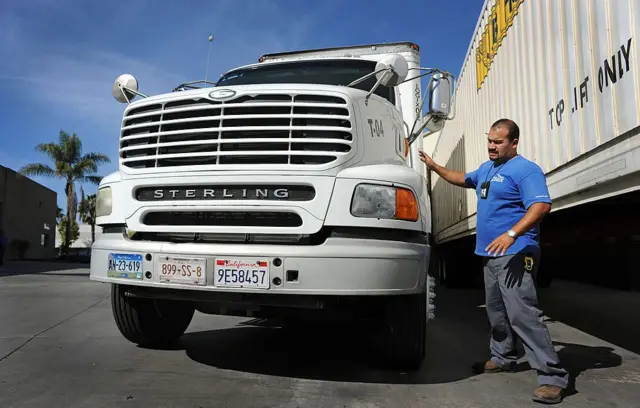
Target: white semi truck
(289,187)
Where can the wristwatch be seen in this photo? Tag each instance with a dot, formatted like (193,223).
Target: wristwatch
(511,233)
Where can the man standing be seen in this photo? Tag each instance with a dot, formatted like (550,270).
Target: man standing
(512,200)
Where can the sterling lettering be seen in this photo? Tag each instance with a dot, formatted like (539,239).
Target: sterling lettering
(218,193)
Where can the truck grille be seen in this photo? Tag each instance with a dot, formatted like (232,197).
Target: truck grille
(264,129)
(212,238)
(223,218)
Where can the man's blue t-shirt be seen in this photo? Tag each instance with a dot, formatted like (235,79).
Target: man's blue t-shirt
(515,185)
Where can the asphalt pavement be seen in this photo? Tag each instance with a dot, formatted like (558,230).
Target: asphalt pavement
(59,347)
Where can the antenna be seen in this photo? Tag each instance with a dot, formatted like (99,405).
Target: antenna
(208,57)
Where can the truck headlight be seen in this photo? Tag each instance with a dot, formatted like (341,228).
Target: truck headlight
(373,201)
(103,202)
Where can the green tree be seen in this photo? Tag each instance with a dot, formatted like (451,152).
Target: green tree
(70,165)
(87,211)
(74,232)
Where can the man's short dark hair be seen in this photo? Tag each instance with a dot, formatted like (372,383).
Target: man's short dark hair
(514,130)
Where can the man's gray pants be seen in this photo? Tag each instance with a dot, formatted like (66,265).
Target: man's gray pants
(512,307)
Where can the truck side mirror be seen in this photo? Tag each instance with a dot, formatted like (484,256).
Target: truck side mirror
(439,95)
(392,70)
(125,88)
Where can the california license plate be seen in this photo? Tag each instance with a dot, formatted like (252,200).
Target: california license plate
(241,273)
(181,269)
(126,266)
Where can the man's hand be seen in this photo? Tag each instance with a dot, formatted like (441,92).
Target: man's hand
(453,177)
(428,161)
(500,245)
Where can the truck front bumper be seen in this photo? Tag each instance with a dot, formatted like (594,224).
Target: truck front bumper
(340,266)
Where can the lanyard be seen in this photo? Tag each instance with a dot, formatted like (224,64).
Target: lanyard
(484,187)
(497,170)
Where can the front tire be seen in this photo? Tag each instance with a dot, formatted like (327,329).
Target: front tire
(149,322)
(405,332)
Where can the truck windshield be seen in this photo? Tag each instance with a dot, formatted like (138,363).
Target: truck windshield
(324,72)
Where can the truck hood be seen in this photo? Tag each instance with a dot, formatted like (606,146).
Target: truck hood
(352,93)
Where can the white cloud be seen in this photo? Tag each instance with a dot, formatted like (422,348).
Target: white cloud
(80,84)
(76,79)
(73,80)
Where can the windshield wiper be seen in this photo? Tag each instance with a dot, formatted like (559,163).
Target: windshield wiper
(191,85)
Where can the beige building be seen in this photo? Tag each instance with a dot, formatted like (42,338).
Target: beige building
(27,216)
(84,238)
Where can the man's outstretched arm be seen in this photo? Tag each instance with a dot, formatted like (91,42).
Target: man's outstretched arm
(454,177)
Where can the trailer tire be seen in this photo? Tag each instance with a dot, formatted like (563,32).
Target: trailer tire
(149,322)
(404,332)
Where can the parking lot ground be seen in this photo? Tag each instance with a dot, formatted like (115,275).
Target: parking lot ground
(59,347)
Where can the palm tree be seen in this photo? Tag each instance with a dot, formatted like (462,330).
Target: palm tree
(87,212)
(71,166)
(59,215)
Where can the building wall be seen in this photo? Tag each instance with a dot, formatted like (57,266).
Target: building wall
(27,212)
(429,143)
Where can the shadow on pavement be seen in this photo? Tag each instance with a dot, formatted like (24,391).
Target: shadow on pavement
(578,358)
(16,268)
(334,352)
(608,314)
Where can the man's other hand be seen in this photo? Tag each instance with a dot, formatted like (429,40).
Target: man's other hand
(500,245)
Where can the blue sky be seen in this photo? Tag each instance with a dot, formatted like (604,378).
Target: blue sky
(60,57)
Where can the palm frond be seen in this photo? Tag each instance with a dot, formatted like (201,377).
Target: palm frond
(88,165)
(76,148)
(83,168)
(52,150)
(72,147)
(97,158)
(90,179)
(38,169)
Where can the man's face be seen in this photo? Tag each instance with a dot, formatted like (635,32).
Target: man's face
(499,145)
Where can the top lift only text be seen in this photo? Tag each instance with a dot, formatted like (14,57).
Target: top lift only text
(611,70)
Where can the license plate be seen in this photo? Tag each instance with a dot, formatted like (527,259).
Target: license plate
(181,269)
(241,273)
(127,266)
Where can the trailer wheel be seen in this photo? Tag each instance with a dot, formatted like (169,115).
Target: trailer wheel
(149,322)
(404,332)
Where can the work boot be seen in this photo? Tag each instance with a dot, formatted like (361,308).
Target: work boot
(491,367)
(548,394)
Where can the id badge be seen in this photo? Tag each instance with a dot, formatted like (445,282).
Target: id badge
(484,190)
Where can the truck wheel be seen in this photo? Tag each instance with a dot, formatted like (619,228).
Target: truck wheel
(405,332)
(149,322)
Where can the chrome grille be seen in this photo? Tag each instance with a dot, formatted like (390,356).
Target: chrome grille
(212,238)
(264,129)
(223,218)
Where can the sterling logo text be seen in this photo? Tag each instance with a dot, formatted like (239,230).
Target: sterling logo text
(213,193)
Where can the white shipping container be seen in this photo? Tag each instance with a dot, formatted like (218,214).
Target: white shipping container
(566,71)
